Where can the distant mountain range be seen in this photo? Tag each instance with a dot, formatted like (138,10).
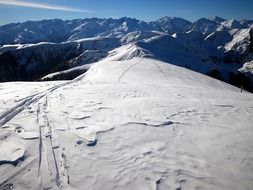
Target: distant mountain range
(215,46)
(57,30)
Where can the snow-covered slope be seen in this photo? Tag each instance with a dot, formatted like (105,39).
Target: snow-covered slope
(134,124)
(190,50)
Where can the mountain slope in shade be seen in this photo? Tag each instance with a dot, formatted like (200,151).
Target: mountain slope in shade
(204,26)
(31,62)
(134,124)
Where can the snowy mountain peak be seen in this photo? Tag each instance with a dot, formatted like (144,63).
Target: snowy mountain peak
(172,25)
(217,19)
(232,24)
(205,26)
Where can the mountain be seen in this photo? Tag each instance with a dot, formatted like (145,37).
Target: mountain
(57,30)
(246,23)
(205,26)
(219,39)
(35,31)
(35,49)
(232,24)
(173,25)
(133,124)
(32,62)
(217,19)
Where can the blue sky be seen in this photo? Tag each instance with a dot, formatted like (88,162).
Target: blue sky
(22,10)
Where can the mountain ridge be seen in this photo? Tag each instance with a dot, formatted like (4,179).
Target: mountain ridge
(214,45)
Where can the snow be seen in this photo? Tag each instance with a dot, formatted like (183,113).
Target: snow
(233,24)
(217,19)
(51,46)
(56,30)
(219,38)
(65,73)
(28,135)
(240,39)
(10,151)
(125,52)
(173,25)
(5,48)
(132,124)
(139,35)
(247,67)
(205,26)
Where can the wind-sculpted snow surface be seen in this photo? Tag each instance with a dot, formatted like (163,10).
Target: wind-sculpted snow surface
(133,124)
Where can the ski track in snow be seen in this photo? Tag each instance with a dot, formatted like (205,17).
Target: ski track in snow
(45,132)
(142,54)
(164,127)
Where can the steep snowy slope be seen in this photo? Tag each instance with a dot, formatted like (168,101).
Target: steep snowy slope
(241,40)
(135,124)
